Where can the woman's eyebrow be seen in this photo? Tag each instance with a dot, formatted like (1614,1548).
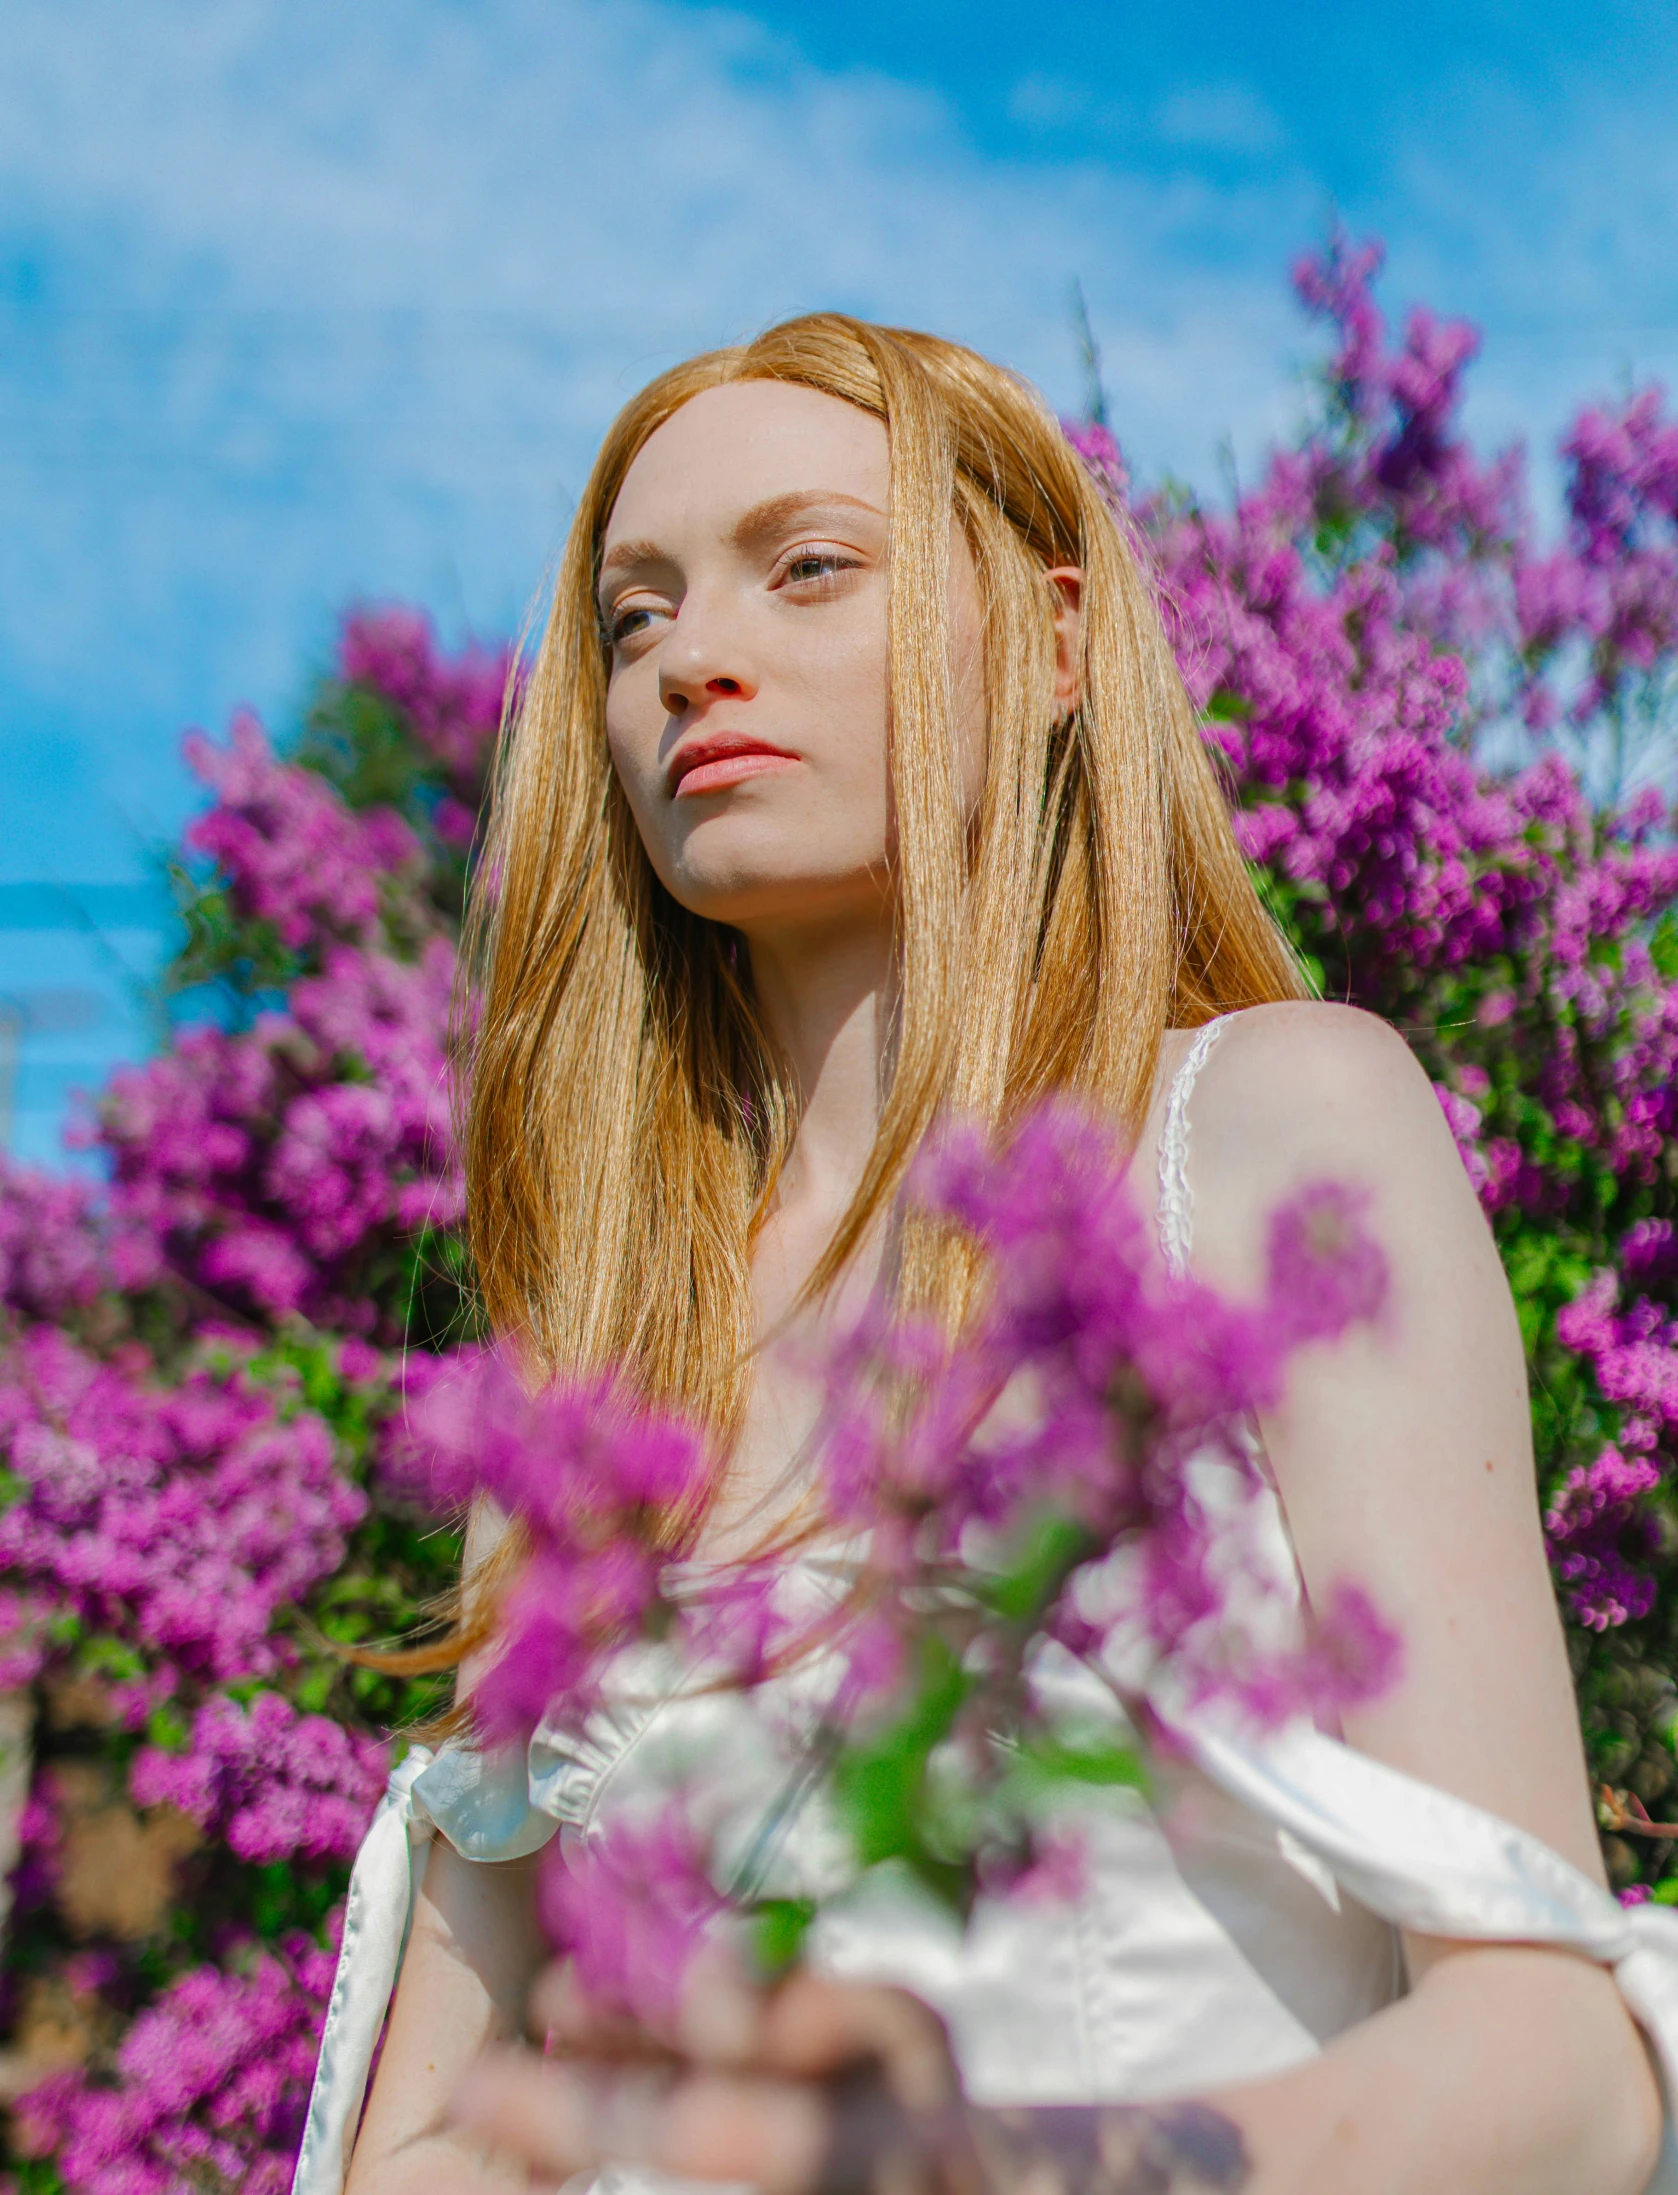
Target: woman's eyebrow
(777,511)
(632,552)
(768,517)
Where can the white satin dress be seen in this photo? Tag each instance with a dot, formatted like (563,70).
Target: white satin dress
(1228,1926)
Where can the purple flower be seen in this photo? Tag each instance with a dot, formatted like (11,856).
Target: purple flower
(211,2084)
(293,855)
(1325,1271)
(1599,1533)
(1102,457)
(453,703)
(178,1518)
(632,1907)
(273,1784)
(606,1492)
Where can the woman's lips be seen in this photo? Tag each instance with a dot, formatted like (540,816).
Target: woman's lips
(712,765)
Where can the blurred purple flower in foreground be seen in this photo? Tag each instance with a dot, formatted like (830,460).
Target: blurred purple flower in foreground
(604,1491)
(633,1912)
(1077,1471)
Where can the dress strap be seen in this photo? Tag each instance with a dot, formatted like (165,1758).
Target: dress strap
(1176,1198)
(376,1916)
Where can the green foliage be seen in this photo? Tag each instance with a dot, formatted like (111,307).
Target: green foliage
(883,1783)
(778,1929)
(1053,1549)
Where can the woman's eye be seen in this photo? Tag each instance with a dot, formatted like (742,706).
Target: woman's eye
(814,565)
(624,624)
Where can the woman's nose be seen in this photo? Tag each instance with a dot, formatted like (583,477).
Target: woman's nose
(697,662)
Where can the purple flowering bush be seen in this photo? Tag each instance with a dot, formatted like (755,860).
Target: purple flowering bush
(200,1358)
(1451,749)
(1448,741)
(211,2080)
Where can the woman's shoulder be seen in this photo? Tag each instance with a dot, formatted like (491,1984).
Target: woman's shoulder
(1294,1073)
(1308,1059)
(1291,1038)
(1300,1092)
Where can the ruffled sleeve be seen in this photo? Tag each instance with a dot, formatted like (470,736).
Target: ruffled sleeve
(570,1768)
(491,1804)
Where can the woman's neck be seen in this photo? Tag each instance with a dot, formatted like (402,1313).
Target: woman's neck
(826,997)
(827,1002)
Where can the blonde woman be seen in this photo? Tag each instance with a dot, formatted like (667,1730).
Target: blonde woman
(854,782)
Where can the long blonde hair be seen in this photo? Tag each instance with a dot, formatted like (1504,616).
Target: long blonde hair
(628,1112)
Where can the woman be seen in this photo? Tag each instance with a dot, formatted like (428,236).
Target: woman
(854,781)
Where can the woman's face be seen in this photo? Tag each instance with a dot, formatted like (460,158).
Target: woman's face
(743,587)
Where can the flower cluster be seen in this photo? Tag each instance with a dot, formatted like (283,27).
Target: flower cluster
(634,1912)
(52,1262)
(1599,1528)
(275,1168)
(1614,586)
(208,2087)
(290,852)
(175,1522)
(603,1489)
(451,704)
(268,1781)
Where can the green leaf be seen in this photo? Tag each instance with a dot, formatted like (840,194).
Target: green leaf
(104,1656)
(314,1693)
(284,1896)
(166,1727)
(1095,1761)
(35,2176)
(1054,1548)
(1663,948)
(779,1926)
(881,1782)
(1227,707)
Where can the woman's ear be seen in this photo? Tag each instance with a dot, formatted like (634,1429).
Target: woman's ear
(1067,580)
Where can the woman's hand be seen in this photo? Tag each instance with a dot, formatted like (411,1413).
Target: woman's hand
(813,2088)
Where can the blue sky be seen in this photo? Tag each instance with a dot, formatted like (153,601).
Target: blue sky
(301,302)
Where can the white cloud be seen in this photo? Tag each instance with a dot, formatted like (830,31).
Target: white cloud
(628,177)
(309,299)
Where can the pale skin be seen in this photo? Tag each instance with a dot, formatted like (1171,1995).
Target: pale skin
(745,591)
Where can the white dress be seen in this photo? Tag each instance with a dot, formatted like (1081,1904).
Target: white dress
(1228,1927)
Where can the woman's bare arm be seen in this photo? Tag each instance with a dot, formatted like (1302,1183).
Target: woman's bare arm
(1403,1456)
(1403,1451)
(473,1952)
